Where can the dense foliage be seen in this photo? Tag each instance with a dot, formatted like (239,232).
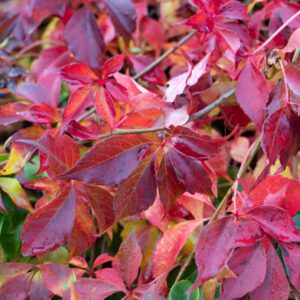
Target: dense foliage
(149,149)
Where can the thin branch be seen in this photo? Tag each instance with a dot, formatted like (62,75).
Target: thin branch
(244,167)
(193,117)
(261,47)
(165,55)
(296,55)
(149,67)
(211,106)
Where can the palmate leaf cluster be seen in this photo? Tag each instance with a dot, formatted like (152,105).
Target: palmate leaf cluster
(149,149)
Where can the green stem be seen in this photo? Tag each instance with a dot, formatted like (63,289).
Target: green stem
(296,55)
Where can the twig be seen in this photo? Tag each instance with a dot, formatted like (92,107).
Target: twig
(193,117)
(149,67)
(261,47)
(165,55)
(296,55)
(211,106)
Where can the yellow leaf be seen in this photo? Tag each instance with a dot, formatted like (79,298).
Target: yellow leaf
(14,190)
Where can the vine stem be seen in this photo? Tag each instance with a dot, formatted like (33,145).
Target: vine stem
(193,117)
(262,46)
(149,67)
(244,166)
(243,169)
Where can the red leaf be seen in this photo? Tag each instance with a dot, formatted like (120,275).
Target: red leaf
(275,285)
(249,264)
(129,267)
(82,236)
(48,227)
(213,249)
(246,233)
(42,9)
(123,16)
(36,93)
(252,93)
(84,37)
(277,135)
(153,32)
(294,41)
(61,150)
(16,288)
(276,222)
(57,278)
(101,202)
(278,191)
(138,191)
(105,107)
(102,259)
(194,145)
(93,289)
(80,132)
(38,290)
(78,102)
(154,76)
(10,113)
(233,10)
(234,115)
(291,256)
(111,276)
(78,74)
(12,269)
(292,72)
(180,173)
(112,66)
(109,161)
(169,246)
(7,26)
(41,114)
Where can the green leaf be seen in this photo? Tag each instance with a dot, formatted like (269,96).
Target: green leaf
(178,291)
(297,220)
